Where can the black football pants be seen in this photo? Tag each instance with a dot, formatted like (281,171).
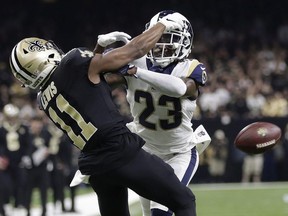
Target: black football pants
(149,177)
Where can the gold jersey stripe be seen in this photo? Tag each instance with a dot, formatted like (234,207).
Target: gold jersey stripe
(193,65)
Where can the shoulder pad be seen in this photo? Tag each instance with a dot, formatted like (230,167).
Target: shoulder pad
(197,72)
(77,56)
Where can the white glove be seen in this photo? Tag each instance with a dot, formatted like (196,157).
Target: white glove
(107,39)
(172,21)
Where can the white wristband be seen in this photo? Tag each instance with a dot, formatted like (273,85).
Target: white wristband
(166,84)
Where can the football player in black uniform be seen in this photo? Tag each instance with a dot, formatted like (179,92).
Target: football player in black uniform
(37,174)
(14,144)
(76,97)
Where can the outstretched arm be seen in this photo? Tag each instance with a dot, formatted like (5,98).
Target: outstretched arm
(136,48)
(119,57)
(168,84)
(165,83)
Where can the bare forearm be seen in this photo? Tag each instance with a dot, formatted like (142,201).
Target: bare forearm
(146,41)
(135,49)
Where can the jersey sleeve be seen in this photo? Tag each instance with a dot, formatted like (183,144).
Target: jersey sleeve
(197,72)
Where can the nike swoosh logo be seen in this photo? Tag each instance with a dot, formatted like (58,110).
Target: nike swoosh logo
(202,68)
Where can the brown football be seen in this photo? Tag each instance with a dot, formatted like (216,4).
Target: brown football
(257,137)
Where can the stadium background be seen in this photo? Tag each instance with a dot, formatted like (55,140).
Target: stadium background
(243,43)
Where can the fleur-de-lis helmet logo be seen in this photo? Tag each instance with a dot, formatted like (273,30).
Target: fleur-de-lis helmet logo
(36,46)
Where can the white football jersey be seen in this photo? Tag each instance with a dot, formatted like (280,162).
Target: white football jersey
(164,122)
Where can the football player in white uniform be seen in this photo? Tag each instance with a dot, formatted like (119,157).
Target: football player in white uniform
(162,93)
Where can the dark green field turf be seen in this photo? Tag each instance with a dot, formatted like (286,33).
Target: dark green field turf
(265,199)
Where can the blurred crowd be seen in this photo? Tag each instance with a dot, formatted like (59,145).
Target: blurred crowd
(244,50)
(33,154)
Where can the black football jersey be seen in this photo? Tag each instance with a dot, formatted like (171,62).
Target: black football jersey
(15,142)
(83,110)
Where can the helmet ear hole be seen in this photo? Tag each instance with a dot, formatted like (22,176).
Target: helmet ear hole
(51,55)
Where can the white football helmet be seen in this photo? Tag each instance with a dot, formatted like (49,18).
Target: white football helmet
(174,44)
(33,59)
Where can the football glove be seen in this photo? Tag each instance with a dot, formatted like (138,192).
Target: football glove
(107,39)
(172,21)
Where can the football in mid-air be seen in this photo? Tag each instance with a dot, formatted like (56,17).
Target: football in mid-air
(257,137)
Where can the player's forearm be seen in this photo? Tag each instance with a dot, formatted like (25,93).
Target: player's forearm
(166,84)
(146,41)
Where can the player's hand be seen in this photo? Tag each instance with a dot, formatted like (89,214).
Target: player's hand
(107,39)
(172,21)
(127,70)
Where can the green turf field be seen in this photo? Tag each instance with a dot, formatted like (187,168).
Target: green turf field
(265,199)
